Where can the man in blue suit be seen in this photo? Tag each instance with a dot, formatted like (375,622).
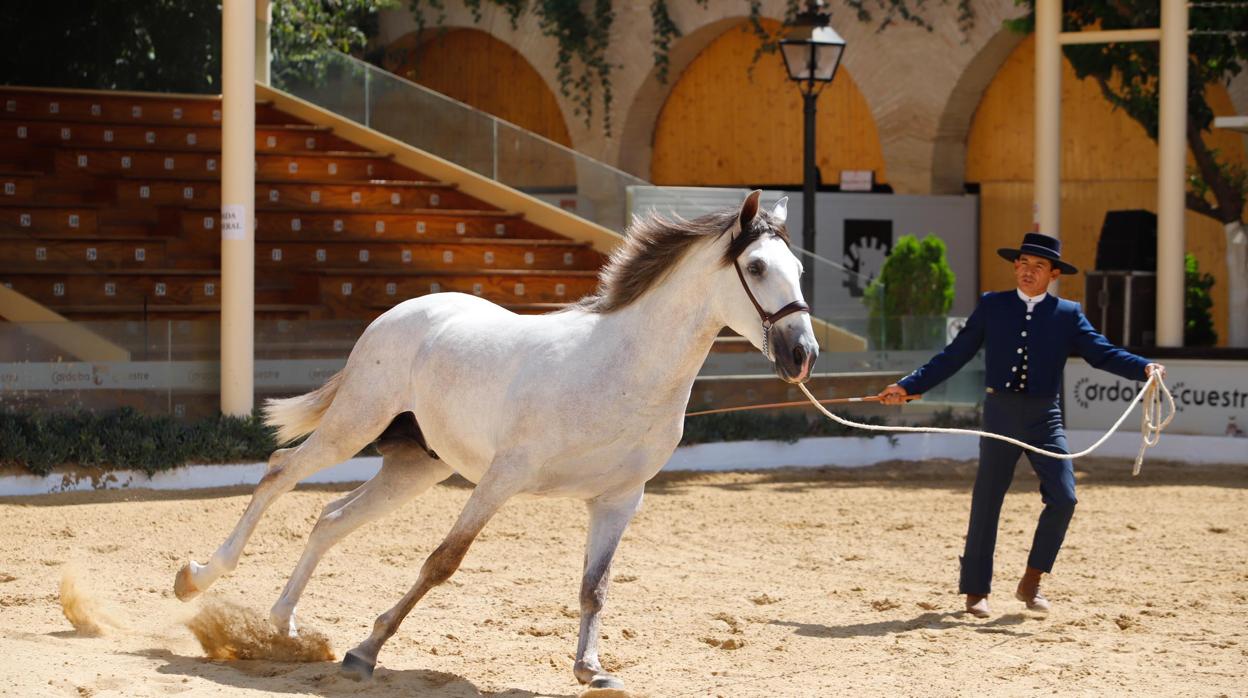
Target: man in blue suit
(1027,334)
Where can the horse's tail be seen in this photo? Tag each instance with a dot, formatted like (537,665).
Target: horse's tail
(293,417)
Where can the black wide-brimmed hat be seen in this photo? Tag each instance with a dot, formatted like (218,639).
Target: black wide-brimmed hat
(1040,245)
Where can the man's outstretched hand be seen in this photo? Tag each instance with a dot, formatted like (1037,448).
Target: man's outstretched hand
(1149,369)
(893,395)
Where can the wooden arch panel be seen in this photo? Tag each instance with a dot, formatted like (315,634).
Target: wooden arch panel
(475,68)
(725,124)
(1108,163)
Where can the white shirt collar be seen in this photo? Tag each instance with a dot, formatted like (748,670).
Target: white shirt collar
(1030,300)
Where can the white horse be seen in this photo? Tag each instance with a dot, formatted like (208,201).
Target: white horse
(588,403)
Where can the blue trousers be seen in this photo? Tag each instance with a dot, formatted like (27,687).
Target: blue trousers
(1036,420)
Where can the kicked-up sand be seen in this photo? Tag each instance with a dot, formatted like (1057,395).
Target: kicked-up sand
(779,583)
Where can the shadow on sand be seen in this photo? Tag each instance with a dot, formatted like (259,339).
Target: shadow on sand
(1001,625)
(952,475)
(322,678)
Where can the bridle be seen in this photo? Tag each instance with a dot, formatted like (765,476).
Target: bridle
(769,320)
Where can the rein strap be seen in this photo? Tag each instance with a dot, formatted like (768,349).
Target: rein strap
(769,320)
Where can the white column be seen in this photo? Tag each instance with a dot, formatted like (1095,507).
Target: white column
(1171,184)
(264,53)
(1048,150)
(238,196)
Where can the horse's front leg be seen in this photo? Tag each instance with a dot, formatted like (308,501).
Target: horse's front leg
(607,520)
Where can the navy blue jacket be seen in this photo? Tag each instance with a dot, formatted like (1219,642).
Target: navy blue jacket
(1052,331)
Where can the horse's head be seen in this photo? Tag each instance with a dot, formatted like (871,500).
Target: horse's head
(761,295)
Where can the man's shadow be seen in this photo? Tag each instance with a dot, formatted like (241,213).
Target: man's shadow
(1001,625)
(323,679)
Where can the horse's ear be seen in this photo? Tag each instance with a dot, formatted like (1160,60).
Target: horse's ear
(749,209)
(781,210)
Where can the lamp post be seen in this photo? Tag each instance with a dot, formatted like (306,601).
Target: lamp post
(812,52)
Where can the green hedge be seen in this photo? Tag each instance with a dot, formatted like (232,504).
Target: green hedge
(127,439)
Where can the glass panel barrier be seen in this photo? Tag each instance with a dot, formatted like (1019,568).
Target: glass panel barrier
(859,355)
(174,367)
(469,137)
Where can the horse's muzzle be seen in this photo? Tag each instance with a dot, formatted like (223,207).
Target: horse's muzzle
(795,355)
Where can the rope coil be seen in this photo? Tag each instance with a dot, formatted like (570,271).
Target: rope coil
(1152,423)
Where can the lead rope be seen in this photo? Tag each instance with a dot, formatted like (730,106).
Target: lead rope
(1151,423)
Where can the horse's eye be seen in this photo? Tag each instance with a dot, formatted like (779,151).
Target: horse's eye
(756,268)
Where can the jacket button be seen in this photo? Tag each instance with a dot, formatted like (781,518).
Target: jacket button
(1024,333)
(1028,316)
(1020,350)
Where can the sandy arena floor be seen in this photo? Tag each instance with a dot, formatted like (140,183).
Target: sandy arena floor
(793,583)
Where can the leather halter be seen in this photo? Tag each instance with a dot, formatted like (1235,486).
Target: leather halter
(769,320)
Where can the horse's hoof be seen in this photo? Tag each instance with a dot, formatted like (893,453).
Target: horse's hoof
(285,625)
(357,668)
(183,585)
(606,681)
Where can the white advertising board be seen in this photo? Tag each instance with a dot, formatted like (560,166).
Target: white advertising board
(1211,397)
(160,375)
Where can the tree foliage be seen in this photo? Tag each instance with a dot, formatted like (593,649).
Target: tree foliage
(161,45)
(910,297)
(1197,316)
(1127,74)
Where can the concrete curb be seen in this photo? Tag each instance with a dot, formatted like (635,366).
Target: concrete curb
(840,451)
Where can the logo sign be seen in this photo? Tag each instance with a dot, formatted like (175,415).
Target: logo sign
(953,326)
(292,374)
(1210,397)
(857,180)
(233,222)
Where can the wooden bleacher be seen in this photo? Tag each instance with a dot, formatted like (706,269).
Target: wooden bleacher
(110,205)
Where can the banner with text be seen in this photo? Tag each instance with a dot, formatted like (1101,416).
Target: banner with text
(271,374)
(1211,397)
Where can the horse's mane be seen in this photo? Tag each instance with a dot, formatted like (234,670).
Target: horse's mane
(653,245)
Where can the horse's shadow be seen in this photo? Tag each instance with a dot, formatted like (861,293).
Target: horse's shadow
(323,679)
(1001,625)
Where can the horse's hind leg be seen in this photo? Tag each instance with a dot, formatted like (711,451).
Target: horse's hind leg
(486,499)
(406,471)
(345,430)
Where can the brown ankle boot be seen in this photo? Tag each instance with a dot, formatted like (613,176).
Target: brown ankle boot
(977,605)
(1029,591)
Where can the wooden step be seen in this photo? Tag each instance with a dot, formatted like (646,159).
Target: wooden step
(371,312)
(300,194)
(265,312)
(92,253)
(449,255)
(427,224)
(153,286)
(17,186)
(288,138)
(33,219)
(123,108)
(339,166)
(353,288)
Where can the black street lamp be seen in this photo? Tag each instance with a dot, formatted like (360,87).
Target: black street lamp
(812,52)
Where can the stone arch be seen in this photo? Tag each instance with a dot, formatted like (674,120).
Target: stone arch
(474,67)
(949,152)
(637,131)
(707,131)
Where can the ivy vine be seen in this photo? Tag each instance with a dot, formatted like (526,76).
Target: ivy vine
(582,31)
